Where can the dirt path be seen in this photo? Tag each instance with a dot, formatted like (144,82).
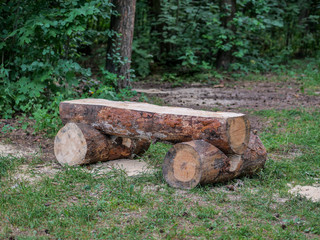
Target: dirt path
(245,95)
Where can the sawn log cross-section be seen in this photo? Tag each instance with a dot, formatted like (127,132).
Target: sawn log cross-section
(100,130)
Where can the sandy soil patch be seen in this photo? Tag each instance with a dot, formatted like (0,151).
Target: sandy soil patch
(9,149)
(33,174)
(130,167)
(310,192)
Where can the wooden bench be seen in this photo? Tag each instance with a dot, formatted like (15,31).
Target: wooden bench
(210,146)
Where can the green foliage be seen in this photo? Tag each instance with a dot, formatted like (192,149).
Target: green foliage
(43,49)
(8,164)
(7,128)
(41,42)
(44,45)
(142,58)
(261,35)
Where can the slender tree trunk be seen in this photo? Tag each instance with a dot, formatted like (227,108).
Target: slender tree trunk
(156,27)
(121,45)
(228,8)
(155,10)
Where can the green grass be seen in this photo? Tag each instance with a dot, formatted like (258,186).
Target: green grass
(7,164)
(77,204)
(304,72)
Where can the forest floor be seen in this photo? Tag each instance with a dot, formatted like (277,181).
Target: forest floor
(275,108)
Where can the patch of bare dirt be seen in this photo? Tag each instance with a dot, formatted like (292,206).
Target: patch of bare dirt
(13,150)
(130,167)
(310,192)
(26,140)
(33,174)
(245,95)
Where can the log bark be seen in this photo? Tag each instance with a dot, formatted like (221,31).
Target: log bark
(228,131)
(198,162)
(78,144)
(247,164)
(254,157)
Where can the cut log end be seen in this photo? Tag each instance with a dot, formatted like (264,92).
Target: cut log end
(70,145)
(181,167)
(238,131)
(185,165)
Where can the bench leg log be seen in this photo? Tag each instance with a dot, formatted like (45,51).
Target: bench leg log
(78,144)
(198,162)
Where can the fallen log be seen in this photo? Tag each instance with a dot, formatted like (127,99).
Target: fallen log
(78,144)
(228,131)
(198,162)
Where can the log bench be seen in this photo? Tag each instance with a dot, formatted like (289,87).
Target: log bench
(209,146)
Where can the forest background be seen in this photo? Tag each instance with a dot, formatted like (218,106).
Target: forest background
(56,50)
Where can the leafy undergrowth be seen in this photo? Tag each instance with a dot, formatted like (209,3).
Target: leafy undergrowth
(77,204)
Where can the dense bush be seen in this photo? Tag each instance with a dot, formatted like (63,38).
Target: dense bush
(41,50)
(260,35)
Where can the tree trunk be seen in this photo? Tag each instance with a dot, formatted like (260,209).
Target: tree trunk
(156,27)
(78,144)
(229,132)
(228,8)
(198,162)
(155,10)
(121,45)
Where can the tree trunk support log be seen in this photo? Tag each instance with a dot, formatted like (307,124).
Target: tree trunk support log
(198,162)
(78,144)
